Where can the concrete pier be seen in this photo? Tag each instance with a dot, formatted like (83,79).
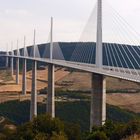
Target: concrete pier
(17,71)
(24,77)
(7,62)
(33,106)
(12,66)
(50,98)
(98,100)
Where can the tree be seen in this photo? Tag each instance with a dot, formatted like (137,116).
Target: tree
(98,135)
(46,124)
(60,136)
(42,127)
(40,136)
(72,131)
(132,128)
(24,132)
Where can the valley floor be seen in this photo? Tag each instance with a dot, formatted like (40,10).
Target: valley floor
(121,93)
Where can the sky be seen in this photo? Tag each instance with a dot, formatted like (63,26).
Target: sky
(21,17)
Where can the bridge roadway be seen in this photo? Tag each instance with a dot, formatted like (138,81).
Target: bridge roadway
(122,73)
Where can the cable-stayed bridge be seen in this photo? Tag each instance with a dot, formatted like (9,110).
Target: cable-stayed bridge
(115,62)
(101,50)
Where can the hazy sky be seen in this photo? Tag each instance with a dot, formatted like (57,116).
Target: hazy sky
(20,17)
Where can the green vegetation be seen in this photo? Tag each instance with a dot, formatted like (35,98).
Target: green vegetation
(6,129)
(43,127)
(81,95)
(74,118)
(73,95)
(113,131)
(124,91)
(73,112)
(84,94)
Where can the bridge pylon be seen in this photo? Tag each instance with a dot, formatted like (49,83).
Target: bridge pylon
(17,65)
(7,58)
(12,60)
(50,106)
(33,106)
(99,52)
(24,69)
(51,40)
(98,87)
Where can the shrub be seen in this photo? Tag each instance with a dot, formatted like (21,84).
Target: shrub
(98,135)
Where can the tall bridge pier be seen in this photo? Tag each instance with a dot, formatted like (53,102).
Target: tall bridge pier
(50,108)
(7,62)
(98,100)
(33,105)
(12,65)
(17,70)
(24,67)
(98,90)
(17,65)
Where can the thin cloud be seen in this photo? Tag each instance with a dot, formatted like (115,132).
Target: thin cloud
(19,18)
(17,12)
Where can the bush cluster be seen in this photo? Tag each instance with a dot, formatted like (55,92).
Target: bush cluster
(113,131)
(44,127)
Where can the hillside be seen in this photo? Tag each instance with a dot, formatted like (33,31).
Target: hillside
(70,87)
(127,93)
(75,112)
(7,83)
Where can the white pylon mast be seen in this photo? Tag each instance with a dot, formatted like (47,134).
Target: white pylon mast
(7,53)
(17,48)
(51,40)
(34,43)
(99,49)
(24,46)
(12,48)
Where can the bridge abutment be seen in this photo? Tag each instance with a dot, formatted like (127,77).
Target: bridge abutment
(33,104)
(17,71)
(24,77)
(98,100)
(50,108)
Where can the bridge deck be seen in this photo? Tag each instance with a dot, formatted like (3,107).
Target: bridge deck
(122,73)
